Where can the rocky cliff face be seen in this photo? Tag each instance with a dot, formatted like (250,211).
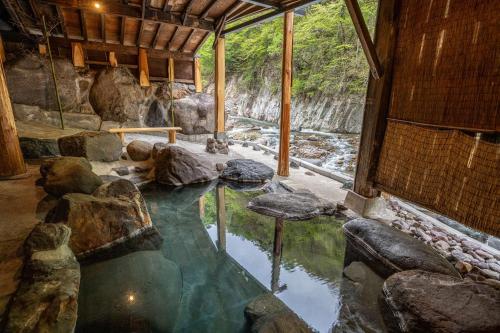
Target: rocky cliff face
(323,113)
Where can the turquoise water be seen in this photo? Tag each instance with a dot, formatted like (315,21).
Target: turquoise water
(215,257)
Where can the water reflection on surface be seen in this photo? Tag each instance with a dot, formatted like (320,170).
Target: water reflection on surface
(300,262)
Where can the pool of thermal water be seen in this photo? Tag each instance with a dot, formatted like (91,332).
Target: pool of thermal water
(215,257)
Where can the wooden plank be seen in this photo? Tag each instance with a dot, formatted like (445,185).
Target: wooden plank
(103,28)
(186,42)
(122,30)
(116,8)
(108,63)
(220,78)
(169,48)
(83,25)
(198,84)
(2,50)
(60,17)
(207,9)
(77,54)
(364,38)
(263,3)
(143,68)
(11,156)
(377,100)
(113,62)
(157,35)
(139,35)
(286,96)
(187,10)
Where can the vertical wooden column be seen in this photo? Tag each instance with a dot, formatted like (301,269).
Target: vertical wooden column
(221,217)
(11,157)
(113,62)
(171,79)
(77,54)
(220,78)
(2,50)
(377,103)
(143,68)
(197,75)
(286,95)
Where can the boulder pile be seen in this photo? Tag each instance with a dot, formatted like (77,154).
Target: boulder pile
(217,146)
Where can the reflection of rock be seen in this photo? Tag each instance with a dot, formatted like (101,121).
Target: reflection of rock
(114,214)
(139,150)
(117,96)
(95,146)
(429,302)
(267,314)
(247,171)
(387,250)
(68,175)
(177,166)
(291,206)
(46,300)
(138,292)
(360,310)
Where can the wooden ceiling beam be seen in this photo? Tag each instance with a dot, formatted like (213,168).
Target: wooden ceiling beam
(83,25)
(157,35)
(169,46)
(186,42)
(187,10)
(207,9)
(133,12)
(60,17)
(263,3)
(103,28)
(167,6)
(139,35)
(122,29)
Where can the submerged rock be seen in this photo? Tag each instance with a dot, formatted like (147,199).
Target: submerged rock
(139,150)
(68,175)
(115,213)
(430,302)
(247,171)
(177,166)
(291,206)
(47,297)
(387,250)
(138,292)
(95,146)
(267,314)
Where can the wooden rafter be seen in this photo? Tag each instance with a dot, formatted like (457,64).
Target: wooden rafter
(133,12)
(157,35)
(15,17)
(187,10)
(167,6)
(263,3)
(186,42)
(83,25)
(207,9)
(122,30)
(139,35)
(103,28)
(169,46)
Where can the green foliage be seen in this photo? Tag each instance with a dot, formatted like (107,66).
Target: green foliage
(327,58)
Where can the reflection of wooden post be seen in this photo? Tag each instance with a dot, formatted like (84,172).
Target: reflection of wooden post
(77,55)
(221,218)
(197,75)
(11,157)
(220,78)
(143,68)
(277,245)
(113,62)
(286,95)
(201,206)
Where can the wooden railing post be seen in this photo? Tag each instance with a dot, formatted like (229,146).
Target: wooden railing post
(11,156)
(220,78)
(286,95)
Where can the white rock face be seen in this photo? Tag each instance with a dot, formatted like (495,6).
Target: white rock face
(322,113)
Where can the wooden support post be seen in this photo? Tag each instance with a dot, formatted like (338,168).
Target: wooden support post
(172,137)
(377,100)
(171,78)
(78,55)
(112,59)
(197,75)
(143,68)
(286,96)
(11,157)
(221,217)
(220,78)
(42,49)
(2,50)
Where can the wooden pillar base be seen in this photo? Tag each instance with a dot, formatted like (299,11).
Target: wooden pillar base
(172,136)
(373,208)
(220,135)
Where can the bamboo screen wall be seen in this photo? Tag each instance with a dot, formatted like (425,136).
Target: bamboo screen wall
(445,97)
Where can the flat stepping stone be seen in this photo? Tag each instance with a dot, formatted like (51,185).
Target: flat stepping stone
(247,171)
(430,302)
(387,250)
(291,206)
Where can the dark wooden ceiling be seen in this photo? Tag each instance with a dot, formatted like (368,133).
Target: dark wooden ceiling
(167,28)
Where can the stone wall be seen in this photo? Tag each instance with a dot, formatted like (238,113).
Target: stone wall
(110,97)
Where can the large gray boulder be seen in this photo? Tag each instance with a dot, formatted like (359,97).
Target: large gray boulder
(267,314)
(37,147)
(117,96)
(291,206)
(115,213)
(68,175)
(30,82)
(426,302)
(387,250)
(95,146)
(247,171)
(194,113)
(47,297)
(143,286)
(177,166)
(31,113)
(139,150)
